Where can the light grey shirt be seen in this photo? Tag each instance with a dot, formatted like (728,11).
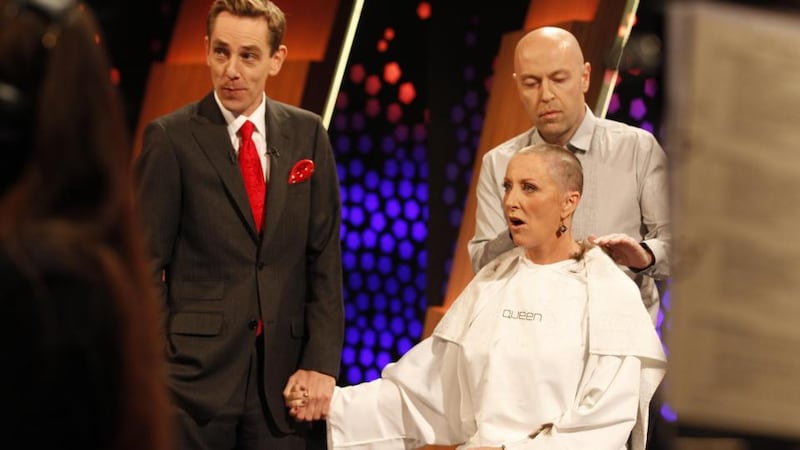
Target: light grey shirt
(625,190)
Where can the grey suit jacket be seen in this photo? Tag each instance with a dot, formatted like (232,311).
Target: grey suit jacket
(220,276)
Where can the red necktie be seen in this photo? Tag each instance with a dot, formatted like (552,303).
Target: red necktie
(253,176)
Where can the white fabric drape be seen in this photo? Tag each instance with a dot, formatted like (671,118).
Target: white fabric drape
(525,345)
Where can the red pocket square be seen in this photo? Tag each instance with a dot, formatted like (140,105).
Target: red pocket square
(301,171)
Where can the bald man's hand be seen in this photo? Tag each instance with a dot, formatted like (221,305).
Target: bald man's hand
(624,250)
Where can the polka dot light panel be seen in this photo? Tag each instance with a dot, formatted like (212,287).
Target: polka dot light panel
(379,134)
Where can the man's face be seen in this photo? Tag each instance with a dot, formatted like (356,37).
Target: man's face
(239,56)
(551,80)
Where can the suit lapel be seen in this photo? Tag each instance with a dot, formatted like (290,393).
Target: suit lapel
(211,133)
(280,155)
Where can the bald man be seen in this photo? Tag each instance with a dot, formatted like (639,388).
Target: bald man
(625,199)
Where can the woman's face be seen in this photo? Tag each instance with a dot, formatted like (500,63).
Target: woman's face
(533,202)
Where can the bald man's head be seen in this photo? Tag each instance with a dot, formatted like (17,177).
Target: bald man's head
(549,38)
(552,79)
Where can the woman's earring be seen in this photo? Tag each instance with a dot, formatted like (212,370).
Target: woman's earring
(561,230)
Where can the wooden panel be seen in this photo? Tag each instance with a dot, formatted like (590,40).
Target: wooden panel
(542,13)
(309,29)
(162,94)
(288,85)
(307,33)
(432,317)
(171,86)
(597,40)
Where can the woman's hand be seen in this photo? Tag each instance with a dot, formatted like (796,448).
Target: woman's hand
(296,399)
(308,395)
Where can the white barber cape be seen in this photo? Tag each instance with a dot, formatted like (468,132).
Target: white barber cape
(525,345)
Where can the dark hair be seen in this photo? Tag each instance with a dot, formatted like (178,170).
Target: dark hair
(276,21)
(90,370)
(77,154)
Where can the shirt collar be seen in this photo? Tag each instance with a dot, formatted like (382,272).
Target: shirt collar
(235,122)
(582,138)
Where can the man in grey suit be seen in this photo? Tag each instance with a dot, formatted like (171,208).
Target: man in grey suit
(244,235)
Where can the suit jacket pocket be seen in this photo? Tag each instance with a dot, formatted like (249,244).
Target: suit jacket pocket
(196,323)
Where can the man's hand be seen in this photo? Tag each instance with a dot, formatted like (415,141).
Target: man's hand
(308,395)
(624,250)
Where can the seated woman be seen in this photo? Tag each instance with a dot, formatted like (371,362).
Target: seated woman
(549,347)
